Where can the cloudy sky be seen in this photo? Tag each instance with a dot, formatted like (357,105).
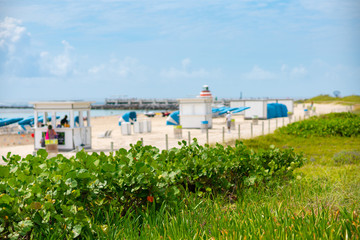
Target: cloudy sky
(91,50)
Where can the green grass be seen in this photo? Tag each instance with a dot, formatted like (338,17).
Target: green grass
(325,98)
(318,149)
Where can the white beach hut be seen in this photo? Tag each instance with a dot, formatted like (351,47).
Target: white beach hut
(77,134)
(196,111)
(258,107)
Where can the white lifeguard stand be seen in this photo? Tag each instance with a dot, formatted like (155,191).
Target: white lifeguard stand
(195,111)
(69,138)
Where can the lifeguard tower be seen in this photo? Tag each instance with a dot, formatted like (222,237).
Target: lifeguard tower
(196,111)
(76,134)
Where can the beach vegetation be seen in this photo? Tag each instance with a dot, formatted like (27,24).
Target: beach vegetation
(278,186)
(325,98)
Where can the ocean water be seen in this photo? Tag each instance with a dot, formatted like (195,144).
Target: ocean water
(28,112)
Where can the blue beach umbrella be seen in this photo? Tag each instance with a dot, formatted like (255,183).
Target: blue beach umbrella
(27,121)
(173,119)
(8,121)
(214,110)
(240,109)
(227,110)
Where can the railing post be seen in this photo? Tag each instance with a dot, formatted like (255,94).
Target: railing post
(251,129)
(112,146)
(223,134)
(189,137)
(207,135)
(276,124)
(166,142)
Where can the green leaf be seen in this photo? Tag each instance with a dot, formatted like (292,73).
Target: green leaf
(76,230)
(42,153)
(25,227)
(5,199)
(4,171)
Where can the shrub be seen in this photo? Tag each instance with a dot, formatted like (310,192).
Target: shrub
(334,124)
(63,195)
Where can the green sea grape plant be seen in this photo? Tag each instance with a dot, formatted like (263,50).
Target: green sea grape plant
(42,195)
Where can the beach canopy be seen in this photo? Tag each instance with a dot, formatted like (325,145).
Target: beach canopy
(275,110)
(240,109)
(227,110)
(220,109)
(232,110)
(128,117)
(8,121)
(30,120)
(173,118)
(27,121)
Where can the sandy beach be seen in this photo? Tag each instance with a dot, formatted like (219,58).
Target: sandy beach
(23,144)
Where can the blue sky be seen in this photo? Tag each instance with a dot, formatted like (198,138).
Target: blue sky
(91,50)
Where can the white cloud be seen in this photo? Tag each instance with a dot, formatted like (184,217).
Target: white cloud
(186,62)
(298,71)
(185,71)
(344,8)
(11,32)
(293,72)
(58,65)
(96,69)
(115,68)
(284,68)
(259,74)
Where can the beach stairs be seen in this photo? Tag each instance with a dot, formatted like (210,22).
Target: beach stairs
(106,134)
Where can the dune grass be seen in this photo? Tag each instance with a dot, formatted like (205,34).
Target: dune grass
(325,98)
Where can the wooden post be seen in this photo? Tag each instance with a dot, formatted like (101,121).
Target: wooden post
(166,142)
(276,123)
(239,131)
(251,129)
(142,141)
(283,121)
(223,134)
(207,135)
(112,146)
(263,127)
(189,137)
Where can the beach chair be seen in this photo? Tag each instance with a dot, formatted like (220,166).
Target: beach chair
(104,135)
(107,134)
